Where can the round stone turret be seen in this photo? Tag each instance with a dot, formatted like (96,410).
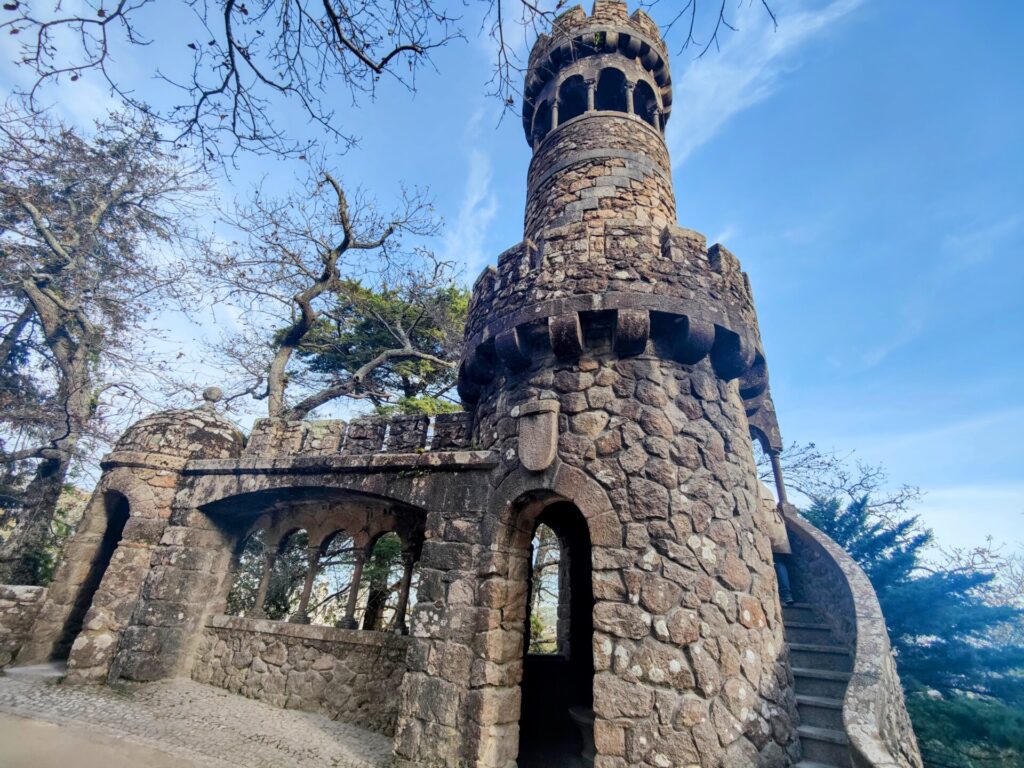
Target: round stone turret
(598,93)
(198,433)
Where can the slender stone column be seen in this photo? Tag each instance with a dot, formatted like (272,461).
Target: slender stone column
(349,622)
(629,97)
(591,88)
(554,114)
(403,595)
(780,485)
(313,558)
(269,558)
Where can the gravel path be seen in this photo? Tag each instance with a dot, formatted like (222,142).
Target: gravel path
(198,723)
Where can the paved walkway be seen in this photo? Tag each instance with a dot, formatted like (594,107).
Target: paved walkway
(174,724)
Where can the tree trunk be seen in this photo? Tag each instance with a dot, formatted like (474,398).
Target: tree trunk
(376,600)
(24,556)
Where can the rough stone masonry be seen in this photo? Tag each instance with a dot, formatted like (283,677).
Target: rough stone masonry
(613,379)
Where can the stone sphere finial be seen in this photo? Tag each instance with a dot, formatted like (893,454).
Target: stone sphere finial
(212,395)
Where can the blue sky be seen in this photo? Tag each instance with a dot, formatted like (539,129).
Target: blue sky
(865,163)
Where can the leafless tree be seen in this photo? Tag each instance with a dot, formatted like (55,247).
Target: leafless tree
(824,474)
(85,226)
(298,258)
(246,56)
(1006,564)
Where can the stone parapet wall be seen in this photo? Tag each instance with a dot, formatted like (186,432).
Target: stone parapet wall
(349,675)
(19,607)
(874,711)
(279,438)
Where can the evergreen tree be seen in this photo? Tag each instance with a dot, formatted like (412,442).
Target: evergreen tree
(944,628)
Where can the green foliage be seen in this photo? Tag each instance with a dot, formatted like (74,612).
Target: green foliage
(945,629)
(366,323)
(962,732)
(424,404)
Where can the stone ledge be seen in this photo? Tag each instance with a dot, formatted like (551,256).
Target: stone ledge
(307,631)
(428,461)
(141,459)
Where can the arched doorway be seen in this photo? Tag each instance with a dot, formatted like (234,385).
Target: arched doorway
(558,660)
(116,513)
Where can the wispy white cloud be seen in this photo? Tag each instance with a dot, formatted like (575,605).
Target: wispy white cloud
(463,242)
(727,235)
(748,69)
(977,245)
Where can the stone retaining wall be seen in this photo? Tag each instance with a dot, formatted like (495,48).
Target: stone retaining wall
(19,607)
(349,675)
(874,712)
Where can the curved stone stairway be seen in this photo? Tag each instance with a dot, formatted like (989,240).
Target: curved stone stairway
(821,669)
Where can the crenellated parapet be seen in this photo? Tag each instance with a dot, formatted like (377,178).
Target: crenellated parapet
(280,438)
(576,52)
(631,286)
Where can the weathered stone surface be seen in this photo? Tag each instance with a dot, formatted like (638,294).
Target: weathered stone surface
(348,675)
(19,607)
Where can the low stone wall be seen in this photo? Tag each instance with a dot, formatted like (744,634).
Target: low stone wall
(348,675)
(874,712)
(19,607)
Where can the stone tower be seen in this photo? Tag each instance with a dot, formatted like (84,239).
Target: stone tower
(607,359)
(614,378)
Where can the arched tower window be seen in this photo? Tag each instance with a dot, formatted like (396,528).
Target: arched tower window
(572,98)
(645,103)
(611,91)
(542,121)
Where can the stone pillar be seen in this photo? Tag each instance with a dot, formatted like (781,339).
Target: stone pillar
(591,88)
(629,97)
(189,569)
(349,622)
(554,114)
(313,562)
(269,558)
(780,485)
(403,594)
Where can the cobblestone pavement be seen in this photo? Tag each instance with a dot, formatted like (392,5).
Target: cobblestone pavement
(198,723)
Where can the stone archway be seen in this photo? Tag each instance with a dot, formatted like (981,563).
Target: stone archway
(556,715)
(116,512)
(523,499)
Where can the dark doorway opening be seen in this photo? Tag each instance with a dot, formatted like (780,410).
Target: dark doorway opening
(116,507)
(558,663)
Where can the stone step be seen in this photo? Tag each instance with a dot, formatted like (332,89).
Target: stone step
(816,656)
(799,612)
(809,632)
(820,711)
(820,682)
(812,764)
(825,745)
(53,670)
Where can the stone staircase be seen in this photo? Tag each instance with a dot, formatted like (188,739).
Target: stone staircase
(821,669)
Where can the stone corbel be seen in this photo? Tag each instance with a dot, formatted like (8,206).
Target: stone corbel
(538,433)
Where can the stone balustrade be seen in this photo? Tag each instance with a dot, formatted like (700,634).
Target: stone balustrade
(347,675)
(874,714)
